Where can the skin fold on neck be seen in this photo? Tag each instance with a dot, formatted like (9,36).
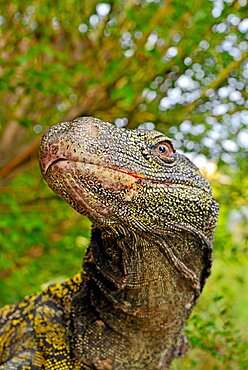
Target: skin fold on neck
(131,302)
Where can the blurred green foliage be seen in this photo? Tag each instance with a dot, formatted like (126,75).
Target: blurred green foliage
(180,67)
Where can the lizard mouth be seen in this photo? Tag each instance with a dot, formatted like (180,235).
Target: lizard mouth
(139,177)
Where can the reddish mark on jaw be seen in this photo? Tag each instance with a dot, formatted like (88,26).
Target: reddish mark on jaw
(141,177)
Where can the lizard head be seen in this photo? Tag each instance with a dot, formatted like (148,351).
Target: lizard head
(130,177)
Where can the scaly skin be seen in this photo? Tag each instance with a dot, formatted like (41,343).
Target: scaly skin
(153,218)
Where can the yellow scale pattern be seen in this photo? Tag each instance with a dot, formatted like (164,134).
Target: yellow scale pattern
(34,332)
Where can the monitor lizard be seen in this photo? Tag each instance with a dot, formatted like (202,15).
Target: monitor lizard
(153,218)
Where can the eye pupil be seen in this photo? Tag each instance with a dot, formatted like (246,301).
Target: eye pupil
(162,148)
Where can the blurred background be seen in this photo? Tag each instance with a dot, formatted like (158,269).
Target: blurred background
(178,66)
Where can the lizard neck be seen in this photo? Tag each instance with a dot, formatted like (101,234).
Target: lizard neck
(133,304)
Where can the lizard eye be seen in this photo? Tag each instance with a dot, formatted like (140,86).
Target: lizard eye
(164,149)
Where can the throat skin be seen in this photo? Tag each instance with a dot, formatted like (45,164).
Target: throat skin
(132,308)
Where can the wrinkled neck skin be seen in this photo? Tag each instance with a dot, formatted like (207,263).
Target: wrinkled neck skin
(132,308)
